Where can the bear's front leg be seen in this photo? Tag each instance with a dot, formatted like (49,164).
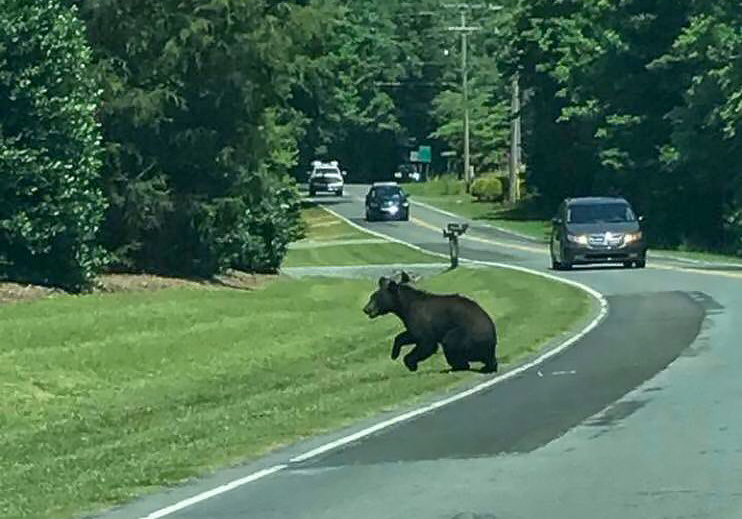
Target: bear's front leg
(400,340)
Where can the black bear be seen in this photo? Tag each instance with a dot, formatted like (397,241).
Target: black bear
(458,324)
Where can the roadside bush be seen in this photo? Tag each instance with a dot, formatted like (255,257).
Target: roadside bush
(51,204)
(487,188)
(249,229)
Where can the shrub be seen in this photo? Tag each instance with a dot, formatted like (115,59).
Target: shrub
(50,203)
(487,188)
(248,228)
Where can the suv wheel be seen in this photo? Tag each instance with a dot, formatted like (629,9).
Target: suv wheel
(555,265)
(566,264)
(641,263)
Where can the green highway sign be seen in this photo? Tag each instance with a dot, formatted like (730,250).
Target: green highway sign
(424,153)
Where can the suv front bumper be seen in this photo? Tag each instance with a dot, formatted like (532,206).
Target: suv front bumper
(584,254)
(325,188)
(388,213)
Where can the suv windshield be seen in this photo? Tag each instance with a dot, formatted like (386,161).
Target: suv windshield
(327,172)
(387,192)
(600,213)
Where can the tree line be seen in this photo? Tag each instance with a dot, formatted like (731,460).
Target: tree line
(168,136)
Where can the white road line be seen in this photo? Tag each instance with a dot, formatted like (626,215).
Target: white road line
(213,492)
(417,412)
(568,372)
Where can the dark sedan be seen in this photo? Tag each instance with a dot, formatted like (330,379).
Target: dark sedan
(597,230)
(387,201)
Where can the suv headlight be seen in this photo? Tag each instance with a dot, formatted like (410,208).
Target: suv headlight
(580,239)
(632,237)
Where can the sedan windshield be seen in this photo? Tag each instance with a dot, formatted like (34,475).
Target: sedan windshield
(327,171)
(387,192)
(600,213)
(330,177)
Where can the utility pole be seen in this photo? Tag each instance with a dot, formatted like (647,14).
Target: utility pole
(465,88)
(515,139)
(465,30)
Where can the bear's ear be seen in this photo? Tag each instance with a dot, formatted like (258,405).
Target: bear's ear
(384,282)
(404,278)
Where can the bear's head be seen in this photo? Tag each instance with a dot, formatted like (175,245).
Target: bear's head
(385,299)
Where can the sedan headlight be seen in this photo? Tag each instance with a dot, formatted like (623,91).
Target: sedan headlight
(580,239)
(631,237)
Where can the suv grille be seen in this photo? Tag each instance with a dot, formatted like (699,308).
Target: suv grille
(605,240)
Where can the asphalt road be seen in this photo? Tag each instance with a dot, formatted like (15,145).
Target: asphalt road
(639,419)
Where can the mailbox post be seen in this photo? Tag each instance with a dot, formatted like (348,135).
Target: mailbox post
(452,232)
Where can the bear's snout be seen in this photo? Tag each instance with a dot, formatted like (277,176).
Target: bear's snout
(370,310)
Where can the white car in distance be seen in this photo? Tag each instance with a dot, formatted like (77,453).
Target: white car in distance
(326,177)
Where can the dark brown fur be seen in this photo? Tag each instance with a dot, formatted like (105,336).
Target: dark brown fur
(463,329)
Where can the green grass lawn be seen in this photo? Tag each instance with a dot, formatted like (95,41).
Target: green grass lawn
(109,396)
(449,196)
(324,229)
(363,254)
(323,226)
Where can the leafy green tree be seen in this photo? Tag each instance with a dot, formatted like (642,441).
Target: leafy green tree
(198,131)
(51,204)
(639,98)
(705,151)
(351,115)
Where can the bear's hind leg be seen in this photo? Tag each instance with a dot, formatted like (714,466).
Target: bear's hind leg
(486,350)
(490,366)
(456,360)
(419,353)
(454,348)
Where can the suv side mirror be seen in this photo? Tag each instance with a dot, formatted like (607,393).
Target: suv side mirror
(641,218)
(345,173)
(556,221)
